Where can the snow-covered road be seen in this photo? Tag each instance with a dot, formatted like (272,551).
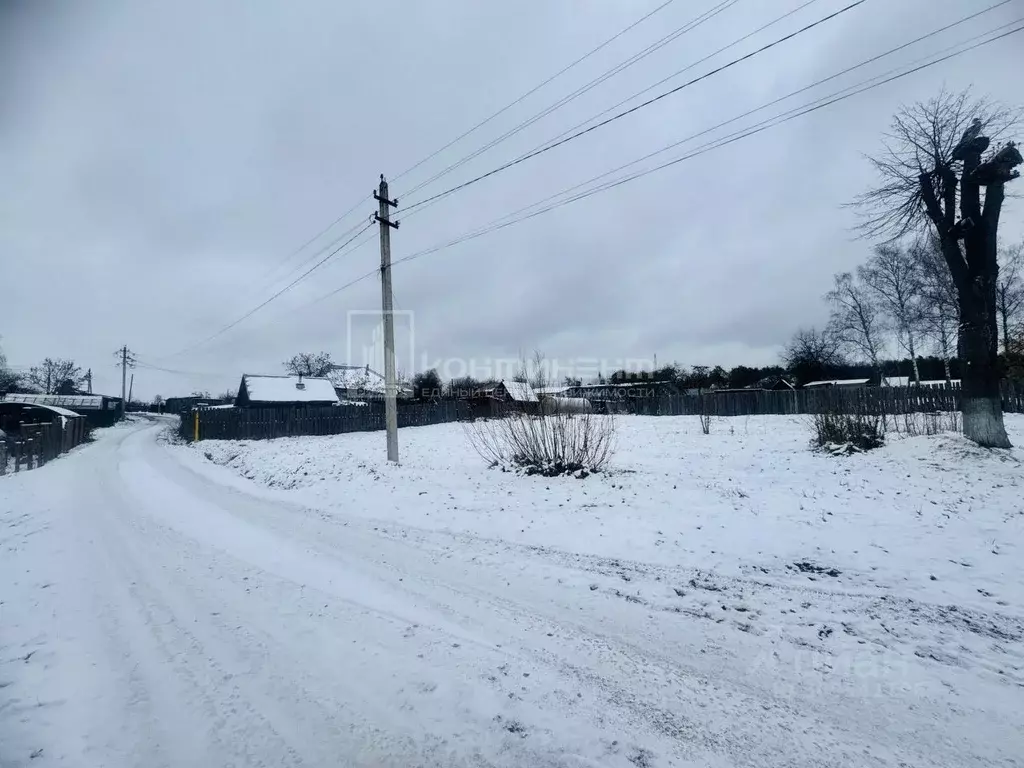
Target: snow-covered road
(153,616)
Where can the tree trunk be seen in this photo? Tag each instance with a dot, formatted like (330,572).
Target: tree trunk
(981,401)
(913,356)
(1004,317)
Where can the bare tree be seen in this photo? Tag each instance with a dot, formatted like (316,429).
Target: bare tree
(933,172)
(810,353)
(539,375)
(1010,293)
(54,374)
(310,364)
(8,378)
(893,277)
(856,321)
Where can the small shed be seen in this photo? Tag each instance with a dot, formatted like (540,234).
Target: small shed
(266,391)
(504,396)
(14,414)
(98,410)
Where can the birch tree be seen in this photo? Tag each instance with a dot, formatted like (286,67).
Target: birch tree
(940,315)
(1010,294)
(856,320)
(892,276)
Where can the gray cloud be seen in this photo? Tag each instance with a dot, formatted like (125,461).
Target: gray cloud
(161,158)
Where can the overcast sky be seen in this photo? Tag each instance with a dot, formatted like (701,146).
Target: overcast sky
(161,162)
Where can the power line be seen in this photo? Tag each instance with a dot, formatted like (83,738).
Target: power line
(796,92)
(533,90)
(687,68)
(306,261)
(356,205)
(288,287)
(620,67)
(315,237)
(651,87)
(786,116)
(731,138)
(149,367)
(640,106)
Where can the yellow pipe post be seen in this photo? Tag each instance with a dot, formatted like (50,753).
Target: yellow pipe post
(195,435)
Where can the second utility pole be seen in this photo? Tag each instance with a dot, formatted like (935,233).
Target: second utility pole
(383,216)
(124,371)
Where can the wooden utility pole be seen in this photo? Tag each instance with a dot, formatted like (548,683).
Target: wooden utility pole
(383,216)
(88,378)
(131,386)
(124,376)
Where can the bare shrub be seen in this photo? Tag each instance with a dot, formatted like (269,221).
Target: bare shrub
(705,423)
(848,430)
(556,444)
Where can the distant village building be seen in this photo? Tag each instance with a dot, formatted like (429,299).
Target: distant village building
(265,391)
(360,383)
(502,397)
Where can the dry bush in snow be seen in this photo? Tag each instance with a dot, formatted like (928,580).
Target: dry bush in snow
(560,443)
(841,433)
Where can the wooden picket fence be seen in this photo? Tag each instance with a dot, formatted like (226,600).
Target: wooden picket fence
(871,400)
(266,423)
(38,444)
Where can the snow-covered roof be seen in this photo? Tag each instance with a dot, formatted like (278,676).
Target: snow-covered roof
(89,402)
(896,381)
(520,391)
(837,383)
(288,389)
(362,378)
(358,377)
(52,408)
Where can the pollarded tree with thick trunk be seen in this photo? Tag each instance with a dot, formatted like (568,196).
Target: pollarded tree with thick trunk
(938,174)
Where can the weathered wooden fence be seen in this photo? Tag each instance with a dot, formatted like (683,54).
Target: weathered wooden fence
(264,423)
(38,444)
(872,400)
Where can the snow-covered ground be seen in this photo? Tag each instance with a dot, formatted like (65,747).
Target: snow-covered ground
(720,600)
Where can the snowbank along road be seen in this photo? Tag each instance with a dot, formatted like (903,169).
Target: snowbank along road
(157,609)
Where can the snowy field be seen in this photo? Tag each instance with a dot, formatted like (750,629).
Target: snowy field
(747,501)
(723,600)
